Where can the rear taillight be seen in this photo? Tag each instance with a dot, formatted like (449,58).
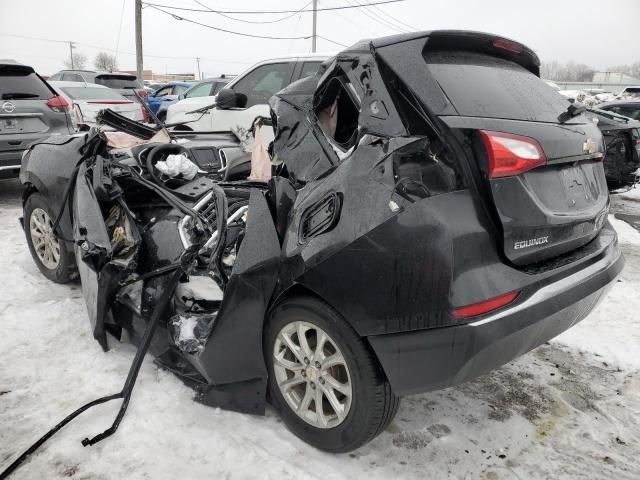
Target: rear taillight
(511,154)
(512,47)
(58,104)
(485,306)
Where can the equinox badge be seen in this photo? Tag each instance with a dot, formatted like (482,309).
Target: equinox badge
(530,243)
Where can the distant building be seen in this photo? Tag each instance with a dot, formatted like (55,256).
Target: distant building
(615,78)
(613,82)
(163,77)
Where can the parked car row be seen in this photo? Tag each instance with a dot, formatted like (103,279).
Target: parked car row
(160,100)
(86,100)
(125,84)
(246,96)
(30,111)
(412,226)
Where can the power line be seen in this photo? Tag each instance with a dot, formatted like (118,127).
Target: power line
(242,34)
(377,18)
(120,29)
(88,45)
(396,20)
(332,41)
(261,12)
(252,21)
(355,24)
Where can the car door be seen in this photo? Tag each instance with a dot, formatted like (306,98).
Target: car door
(159,96)
(306,68)
(200,90)
(257,87)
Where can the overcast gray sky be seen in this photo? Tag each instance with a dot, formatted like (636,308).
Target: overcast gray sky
(597,32)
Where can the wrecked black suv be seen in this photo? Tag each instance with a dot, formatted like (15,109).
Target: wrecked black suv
(433,211)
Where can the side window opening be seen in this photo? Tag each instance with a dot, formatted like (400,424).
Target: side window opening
(337,113)
(426,167)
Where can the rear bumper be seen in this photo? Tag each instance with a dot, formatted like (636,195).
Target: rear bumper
(428,360)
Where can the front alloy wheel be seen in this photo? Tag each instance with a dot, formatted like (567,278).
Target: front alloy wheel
(45,242)
(53,258)
(312,374)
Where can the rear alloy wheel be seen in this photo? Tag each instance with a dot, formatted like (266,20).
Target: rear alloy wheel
(48,251)
(323,378)
(313,377)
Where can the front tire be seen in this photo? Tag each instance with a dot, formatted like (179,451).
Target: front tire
(323,380)
(50,254)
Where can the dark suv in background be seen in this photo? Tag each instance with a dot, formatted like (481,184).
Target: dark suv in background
(30,110)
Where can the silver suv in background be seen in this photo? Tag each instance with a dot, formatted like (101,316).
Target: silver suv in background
(124,83)
(30,110)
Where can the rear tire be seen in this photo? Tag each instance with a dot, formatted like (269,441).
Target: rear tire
(367,403)
(52,256)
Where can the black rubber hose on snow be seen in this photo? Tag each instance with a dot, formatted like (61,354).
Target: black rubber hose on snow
(127,389)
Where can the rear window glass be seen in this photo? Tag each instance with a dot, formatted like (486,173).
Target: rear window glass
(480,85)
(89,93)
(118,82)
(16,86)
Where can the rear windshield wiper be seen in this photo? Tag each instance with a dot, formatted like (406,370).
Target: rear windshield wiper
(573,110)
(12,96)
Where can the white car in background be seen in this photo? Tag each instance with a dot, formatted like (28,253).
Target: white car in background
(253,88)
(87,99)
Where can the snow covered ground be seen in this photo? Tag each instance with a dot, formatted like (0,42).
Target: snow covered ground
(570,409)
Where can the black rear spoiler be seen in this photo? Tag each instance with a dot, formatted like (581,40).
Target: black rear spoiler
(484,43)
(438,40)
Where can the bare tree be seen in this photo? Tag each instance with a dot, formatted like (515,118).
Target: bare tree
(550,70)
(583,73)
(566,72)
(79,61)
(104,61)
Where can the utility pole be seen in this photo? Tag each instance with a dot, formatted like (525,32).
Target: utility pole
(73,67)
(139,68)
(315,20)
(199,74)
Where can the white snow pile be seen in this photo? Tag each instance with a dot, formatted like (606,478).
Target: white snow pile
(593,98)
(569,409)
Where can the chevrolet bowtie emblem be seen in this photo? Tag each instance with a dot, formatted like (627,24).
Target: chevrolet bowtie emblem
(590,146)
